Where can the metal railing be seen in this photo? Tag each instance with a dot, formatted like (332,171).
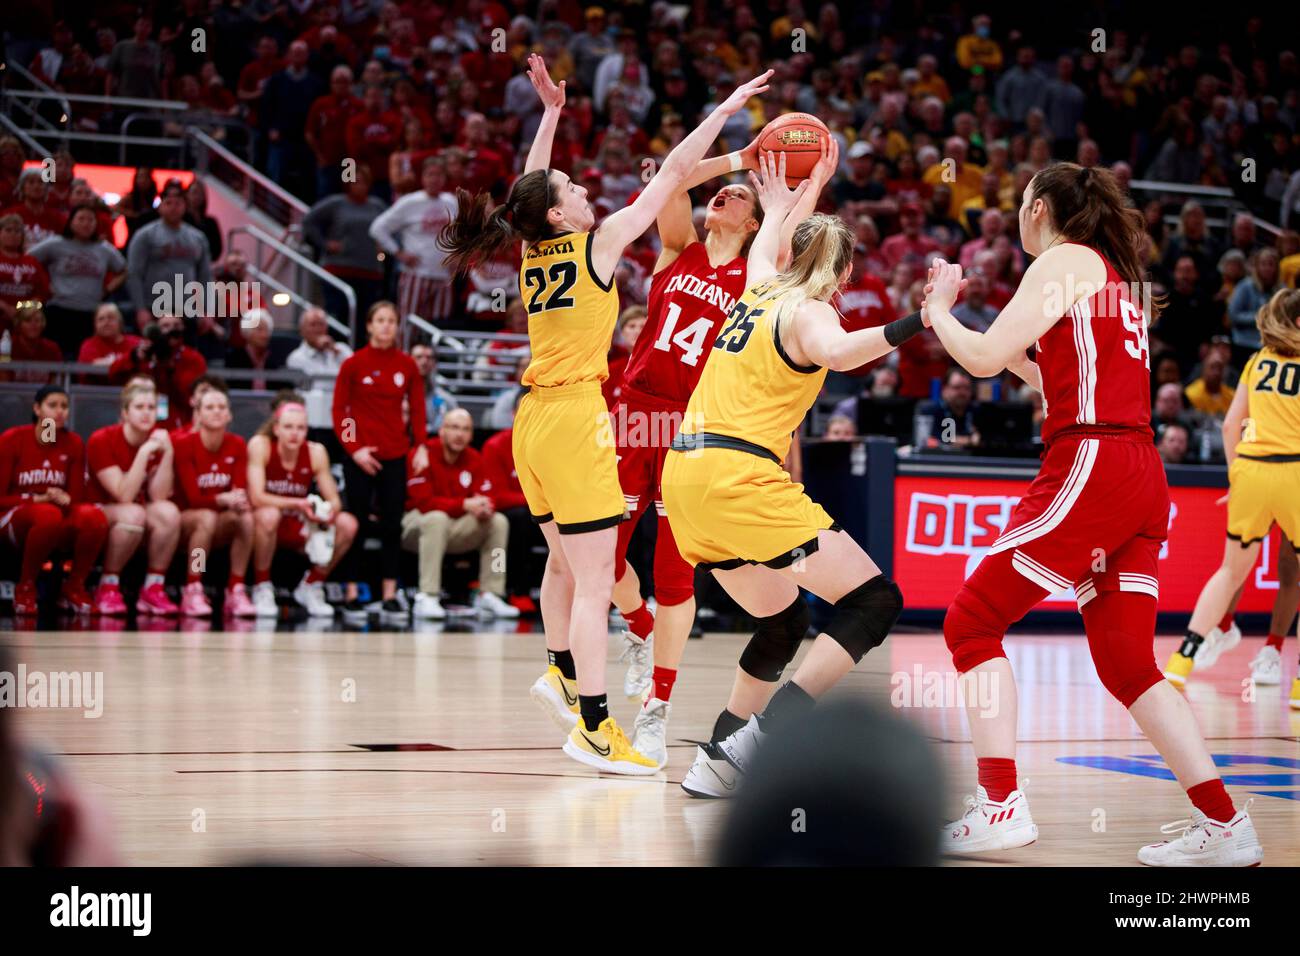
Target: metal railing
(300,291)
(257,190)
(191,119)
(14,98)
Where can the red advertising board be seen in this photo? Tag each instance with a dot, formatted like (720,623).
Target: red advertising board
(943,527)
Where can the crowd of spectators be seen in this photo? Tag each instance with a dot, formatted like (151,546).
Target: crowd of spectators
(376,112)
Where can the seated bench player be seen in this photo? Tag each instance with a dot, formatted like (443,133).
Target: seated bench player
(212,492)
(282,464)
(129,468)
(449,512)
(42,502)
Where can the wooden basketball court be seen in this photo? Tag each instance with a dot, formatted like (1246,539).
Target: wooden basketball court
(424,748)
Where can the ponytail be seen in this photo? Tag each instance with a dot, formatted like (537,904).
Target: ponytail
(1089,207)
(820,250)
(477,234)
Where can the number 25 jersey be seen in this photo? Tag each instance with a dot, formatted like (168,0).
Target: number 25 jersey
(1096,365)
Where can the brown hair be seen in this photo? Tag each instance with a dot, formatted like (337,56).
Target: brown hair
(1276,320)
(1088,206)
(477,234)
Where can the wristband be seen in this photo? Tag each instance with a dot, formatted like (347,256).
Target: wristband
(900,330)
(737,162)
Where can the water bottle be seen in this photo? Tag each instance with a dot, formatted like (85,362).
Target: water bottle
(1206,445)
(923,425)
(6,346)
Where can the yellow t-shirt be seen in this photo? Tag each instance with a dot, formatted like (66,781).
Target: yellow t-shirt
(1207,402)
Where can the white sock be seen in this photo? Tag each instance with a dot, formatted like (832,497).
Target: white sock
(151,579)
(108,579)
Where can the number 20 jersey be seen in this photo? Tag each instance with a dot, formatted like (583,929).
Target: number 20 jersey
(1096,365)
(687,305)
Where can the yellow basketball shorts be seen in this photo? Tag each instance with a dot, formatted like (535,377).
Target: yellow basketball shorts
(565,458)
(728,508)
(1260,493)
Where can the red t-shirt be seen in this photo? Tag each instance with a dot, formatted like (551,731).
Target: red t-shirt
(864,304)
(500,480)
(371,139)
(328,121)
(108,447)
(29,468)
(201,474)
(368,397)
(94,348)
(22,277)
(42,350)
(444,487)
(38,225)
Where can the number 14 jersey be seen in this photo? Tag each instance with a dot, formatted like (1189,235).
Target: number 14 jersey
(1096,365)
(687,305)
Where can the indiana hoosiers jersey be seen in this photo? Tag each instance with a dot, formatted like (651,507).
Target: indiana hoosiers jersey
(108,447)
(29,468)
(1272,381)
(571,313)
(201,474)
(689,301)
(294,481)
(750,388)
(1095,364)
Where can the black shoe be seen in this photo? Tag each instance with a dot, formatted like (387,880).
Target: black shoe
(394,609)
(354,610)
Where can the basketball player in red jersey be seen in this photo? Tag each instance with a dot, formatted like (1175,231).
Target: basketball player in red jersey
(212,492)
(1095,517)
(42,507)
(696,283)
(129,466)
(282,464)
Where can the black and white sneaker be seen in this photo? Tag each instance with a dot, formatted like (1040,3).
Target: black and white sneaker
(712,775)
(394,611)
(354,612)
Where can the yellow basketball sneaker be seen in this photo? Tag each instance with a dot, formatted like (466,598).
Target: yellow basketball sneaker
(607,748)
(558,696)
(1295,694)
(1178,669)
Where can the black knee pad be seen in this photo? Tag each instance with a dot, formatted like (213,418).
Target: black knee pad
(775,642)
(864,616)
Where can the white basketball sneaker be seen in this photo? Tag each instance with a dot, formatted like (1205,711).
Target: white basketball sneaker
(428,608)
(650,731)
(264,600)
(492,605)
(711,775)
(310,595)
(1216,643)
(990,825)
(1266,668)
(640,669)
(1206,842)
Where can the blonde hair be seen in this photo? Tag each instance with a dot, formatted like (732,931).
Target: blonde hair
(134,390)
(821,251)
(1276,320)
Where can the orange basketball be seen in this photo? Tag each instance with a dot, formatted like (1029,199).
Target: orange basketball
(799,136)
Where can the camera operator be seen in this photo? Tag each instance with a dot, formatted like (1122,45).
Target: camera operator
(164,357)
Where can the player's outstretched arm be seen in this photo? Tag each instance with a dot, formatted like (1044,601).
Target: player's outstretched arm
(778,202)
(820,176)
(819,339)
(614,234)
(1037,305)
(552,97)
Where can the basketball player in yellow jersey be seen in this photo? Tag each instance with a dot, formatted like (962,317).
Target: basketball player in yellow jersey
(563,444)
(1261,438)
(735,511)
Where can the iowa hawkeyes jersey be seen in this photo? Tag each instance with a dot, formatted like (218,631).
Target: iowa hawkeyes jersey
(571,313)
(750,388)
(1272,427)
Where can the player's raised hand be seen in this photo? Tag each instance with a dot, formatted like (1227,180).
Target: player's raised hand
(551,95)
(828,162)
(769,184)
(741,94)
